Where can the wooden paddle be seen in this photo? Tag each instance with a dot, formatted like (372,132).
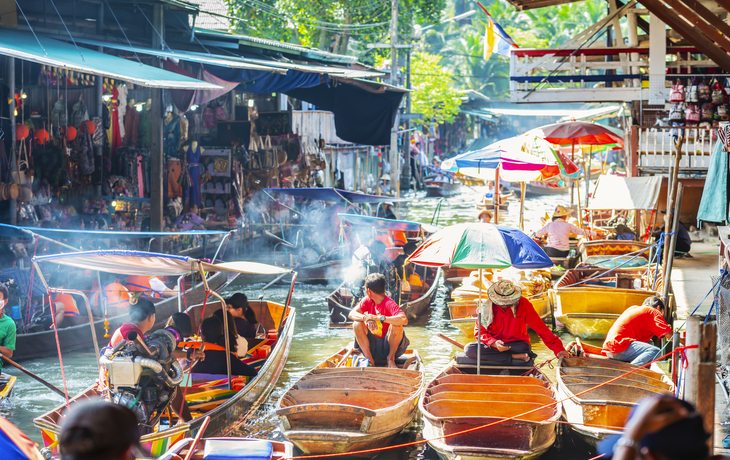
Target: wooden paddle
(30,374)
(451,341)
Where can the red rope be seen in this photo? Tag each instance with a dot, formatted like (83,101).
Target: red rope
(58,346)
(498,422)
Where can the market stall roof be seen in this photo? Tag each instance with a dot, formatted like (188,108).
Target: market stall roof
(11,231)
(56,53)
(387,224)
(152,264)
(632,193)
(333,194)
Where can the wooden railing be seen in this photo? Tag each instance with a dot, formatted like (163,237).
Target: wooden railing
(653,149)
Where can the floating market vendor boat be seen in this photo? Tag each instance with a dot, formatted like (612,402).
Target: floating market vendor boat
(612,253)
(7,383)
(249,448)
(603,412)
(74,333)
(337,408)
(534,283)
(537,188)
(443,189)
(588,303)
(521,402)
(227,400)
(414,298)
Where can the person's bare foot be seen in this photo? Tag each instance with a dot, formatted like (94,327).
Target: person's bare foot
(523,356)
(391,364)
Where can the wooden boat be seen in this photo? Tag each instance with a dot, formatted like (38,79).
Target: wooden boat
(442,188)
(336,409)
(227,409)
(414,303)
(603,412)
(455,275)
(328,272)
(77,333)
(611,253)
(463,314)
(537,189)
(457,400)
(490,206)
(280,450)
(7,383)
(589,309)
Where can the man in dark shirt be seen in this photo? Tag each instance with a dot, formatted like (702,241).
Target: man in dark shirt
(215,352)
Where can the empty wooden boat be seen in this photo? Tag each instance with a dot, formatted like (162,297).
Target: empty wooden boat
(521,402)
(603,412)
(588,303)
(612,253)
(335,408)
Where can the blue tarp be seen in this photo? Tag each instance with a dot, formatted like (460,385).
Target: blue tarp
(334,195)
(259,82)
(714,205)
(12,231)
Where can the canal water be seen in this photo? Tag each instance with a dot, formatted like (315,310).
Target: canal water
(314,341)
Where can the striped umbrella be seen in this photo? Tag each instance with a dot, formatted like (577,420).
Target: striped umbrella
(15,445)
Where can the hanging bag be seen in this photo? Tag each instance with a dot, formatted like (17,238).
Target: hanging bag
(718,93)
(23,175)
(676,94)
(692,113)
(690,96)
(676,111)
(703,92)
(707,112)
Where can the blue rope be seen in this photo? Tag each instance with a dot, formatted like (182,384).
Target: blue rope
(659,250)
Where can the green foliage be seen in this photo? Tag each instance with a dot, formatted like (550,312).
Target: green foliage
(433,91)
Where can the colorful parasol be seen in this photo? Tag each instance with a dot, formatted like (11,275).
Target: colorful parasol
(478,245)
(15,445)
(578,133)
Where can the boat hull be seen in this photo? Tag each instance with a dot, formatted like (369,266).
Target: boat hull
(78,337)
(537,189)
(442,189)
(330,272)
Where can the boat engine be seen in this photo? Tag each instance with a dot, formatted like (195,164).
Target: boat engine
(143,375)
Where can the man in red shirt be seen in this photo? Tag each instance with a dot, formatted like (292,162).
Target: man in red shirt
(142,315)
(378,323)
(504,337)
(628,338)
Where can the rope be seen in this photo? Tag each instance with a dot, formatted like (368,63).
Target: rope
(162,40)
(497,422)
(58,347)
(45,53)
(123,33)
(68,32)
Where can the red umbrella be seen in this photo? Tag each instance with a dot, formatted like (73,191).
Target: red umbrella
(578,132)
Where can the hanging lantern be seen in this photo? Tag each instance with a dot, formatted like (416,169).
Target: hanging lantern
(41,136)
(21,132)
(69,132)
(90,126)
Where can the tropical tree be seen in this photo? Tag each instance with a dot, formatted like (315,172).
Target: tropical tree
(433,93)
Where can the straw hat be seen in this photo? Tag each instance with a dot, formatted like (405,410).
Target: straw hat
(504,292)
(562,211)
(385,177)
(484,211)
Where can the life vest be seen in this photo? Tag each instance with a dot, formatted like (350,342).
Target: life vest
(116,295)
(415,280)
(69,304)
(139,283)
(399,238)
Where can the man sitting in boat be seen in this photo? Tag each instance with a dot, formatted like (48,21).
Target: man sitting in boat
(215,351)
(485,217)
(628,338)
(150,286)
(558,232)
(503,335)
(378,323)
(7,327)
(100,430)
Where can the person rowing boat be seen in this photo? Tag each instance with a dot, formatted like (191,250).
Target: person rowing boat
(558,233)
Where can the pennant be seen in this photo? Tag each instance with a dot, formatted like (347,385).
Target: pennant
(494,42)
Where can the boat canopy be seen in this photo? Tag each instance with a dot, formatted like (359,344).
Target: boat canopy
(387,224)
(11,231)
(630,193)
(152,264)
(333,194)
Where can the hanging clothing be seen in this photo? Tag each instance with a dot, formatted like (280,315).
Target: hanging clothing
(172,136)
(131,126)
(174,169)
(192,194)
(115,135)
(122,90)
(145,126)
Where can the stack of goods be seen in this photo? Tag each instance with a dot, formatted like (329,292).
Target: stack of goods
(469,289)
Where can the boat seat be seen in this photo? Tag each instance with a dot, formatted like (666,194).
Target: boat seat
(463,360)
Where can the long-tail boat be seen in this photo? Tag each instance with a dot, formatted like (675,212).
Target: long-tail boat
(251,448)
(521,402)
(613,253)
(603,412)
(588,303)
(228,400)
(336,408)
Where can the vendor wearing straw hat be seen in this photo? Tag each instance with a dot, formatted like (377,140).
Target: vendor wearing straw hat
(485,217)
(558,232)
(503,335)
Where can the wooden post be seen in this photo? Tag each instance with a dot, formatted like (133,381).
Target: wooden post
(669,261)
(671,184)
(157,156)
(522,206)
(706,379)
(693,360)
(13,208)
(495,197)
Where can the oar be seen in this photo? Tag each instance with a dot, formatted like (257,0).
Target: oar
(451,341)
(30,374)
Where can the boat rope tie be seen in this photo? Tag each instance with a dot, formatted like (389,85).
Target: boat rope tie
(497,422)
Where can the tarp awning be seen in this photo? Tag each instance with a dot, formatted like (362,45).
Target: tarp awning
(152,264)
(631,193)
(380,223)
(333,194)
(11,231)
(48,51)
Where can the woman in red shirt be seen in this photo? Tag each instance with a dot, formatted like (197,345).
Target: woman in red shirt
(504,337)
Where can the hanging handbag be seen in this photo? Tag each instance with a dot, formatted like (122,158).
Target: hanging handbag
(690,96)
(707,112)
(676,111)
(692,114)
(721,113)
(703,92)
(718,93)
(23,175)
(676,94)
